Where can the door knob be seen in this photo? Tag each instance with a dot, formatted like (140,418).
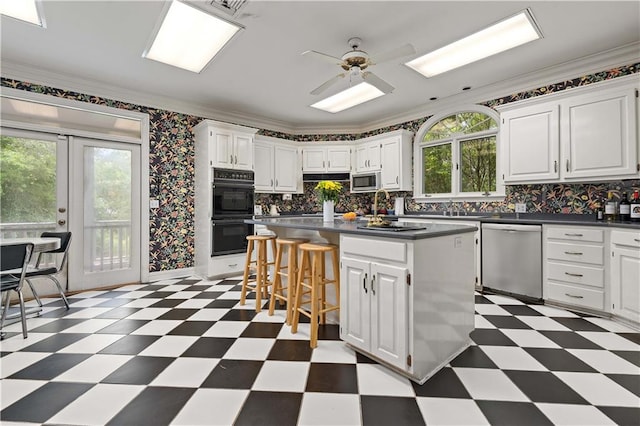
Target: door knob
(62,210)
(62,222)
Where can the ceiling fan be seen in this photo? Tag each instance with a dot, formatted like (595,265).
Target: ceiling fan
(355,61)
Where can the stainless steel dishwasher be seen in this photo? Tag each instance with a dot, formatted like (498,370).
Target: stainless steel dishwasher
(512,259)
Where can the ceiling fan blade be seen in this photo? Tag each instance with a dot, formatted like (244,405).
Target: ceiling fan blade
(399,52)
(324,86)
(324,57)
(377,82)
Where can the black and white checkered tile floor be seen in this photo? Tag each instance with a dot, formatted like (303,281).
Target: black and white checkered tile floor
(184,352)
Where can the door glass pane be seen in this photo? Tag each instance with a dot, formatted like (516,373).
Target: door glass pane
(437,169)
(107,208)
(27,186)
(478,165)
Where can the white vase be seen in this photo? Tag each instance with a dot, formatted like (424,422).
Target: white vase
(327,211)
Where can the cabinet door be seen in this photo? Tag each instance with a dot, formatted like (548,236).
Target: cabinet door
(313,160)
(243,151)
(530,140)
(221,149)
(354,303)
(373,156)
(625,282)
(599,134)
(286,168)
(361,158)
(390,167)
(263,173)
(338,159)
(389,314)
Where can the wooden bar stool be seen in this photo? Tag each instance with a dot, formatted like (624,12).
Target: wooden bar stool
(261,263)
(312,282)
(290,271)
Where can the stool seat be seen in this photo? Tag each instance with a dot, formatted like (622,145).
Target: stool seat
(288,271)
(261,263)
(312,282)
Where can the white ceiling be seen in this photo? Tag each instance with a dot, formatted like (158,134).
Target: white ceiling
(261,79)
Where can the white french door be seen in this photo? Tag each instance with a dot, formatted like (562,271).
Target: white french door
(104,213)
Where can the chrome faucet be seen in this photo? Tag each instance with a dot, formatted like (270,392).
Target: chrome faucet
(375,201)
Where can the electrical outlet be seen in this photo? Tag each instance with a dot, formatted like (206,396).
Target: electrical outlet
(521,208)
(154,204)
(286,197)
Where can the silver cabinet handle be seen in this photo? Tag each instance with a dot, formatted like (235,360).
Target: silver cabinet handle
(271,182)
(396,179)
(574,235)
(364,283)
(575,253)
(373,281)
(567,164)
(573,275)
(236,159)
(329,165)
(575,297)
(233,265)
(637,240)
(231,159)
(555,166)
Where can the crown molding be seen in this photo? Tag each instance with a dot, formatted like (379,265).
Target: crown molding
(620,56)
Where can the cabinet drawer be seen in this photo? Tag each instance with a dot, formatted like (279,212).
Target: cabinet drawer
(578,296)
(378,248)
(576,274)
(626,238)
(229,264)
(576,234)
(582,253)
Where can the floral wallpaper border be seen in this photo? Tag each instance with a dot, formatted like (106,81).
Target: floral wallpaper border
(171,172)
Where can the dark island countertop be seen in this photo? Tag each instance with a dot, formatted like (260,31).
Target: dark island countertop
(430,230)
(516,218)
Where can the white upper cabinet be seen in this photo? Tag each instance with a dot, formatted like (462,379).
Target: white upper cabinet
(584,133)
(368,156)
(230,146)
(599,134)
(395,168)
(326,158)
(277,166)
(533,145)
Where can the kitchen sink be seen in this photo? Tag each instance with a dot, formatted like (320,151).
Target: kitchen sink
(392,227)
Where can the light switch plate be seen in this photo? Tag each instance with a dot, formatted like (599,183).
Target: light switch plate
(521,208)
(257,210)
(154,204)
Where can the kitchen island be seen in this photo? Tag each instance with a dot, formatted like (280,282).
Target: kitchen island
(406,295)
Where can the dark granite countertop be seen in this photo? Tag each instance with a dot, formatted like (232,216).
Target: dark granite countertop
(521,218)
(430,230)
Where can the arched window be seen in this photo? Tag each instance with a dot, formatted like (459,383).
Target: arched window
(456,156)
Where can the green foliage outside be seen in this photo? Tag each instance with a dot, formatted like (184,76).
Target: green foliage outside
(478,156)
(27,180)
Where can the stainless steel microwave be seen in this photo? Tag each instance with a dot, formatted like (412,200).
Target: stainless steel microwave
(365,182)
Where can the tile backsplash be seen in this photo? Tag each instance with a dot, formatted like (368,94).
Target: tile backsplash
(576,198)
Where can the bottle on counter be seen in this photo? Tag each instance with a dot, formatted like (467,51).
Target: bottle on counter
(600,211)
(635,207)
(625,208)
(610,208)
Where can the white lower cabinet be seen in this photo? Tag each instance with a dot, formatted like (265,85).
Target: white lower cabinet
(407,303)
(625,274)
(574,266)
(375,296)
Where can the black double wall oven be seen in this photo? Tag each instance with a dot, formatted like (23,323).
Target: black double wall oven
(232,203)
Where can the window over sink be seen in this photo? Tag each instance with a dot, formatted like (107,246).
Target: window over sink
(456,156)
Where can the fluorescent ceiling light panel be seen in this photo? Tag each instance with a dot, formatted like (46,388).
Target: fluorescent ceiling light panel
(353,96)
(504,35)
(24,10)
(189,38)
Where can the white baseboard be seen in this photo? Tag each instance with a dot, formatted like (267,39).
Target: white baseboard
(174,273)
